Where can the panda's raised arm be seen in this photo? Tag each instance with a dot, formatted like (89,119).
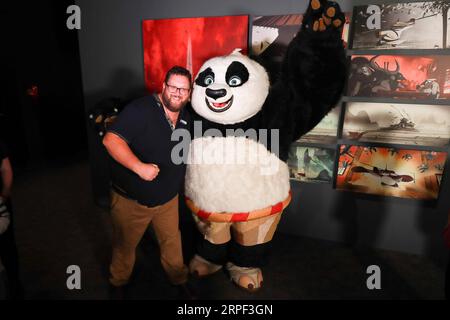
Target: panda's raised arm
(312,77)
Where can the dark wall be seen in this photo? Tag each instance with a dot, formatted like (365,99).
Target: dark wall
(39,50)
(112,65)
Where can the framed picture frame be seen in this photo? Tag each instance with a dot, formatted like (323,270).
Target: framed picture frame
(413,25)
(400,77)
(312,164)
(394,123)
(387,171)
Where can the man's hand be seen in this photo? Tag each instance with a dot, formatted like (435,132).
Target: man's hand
(147,171)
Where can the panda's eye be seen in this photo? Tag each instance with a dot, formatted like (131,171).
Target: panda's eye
(234,81)
(209,80)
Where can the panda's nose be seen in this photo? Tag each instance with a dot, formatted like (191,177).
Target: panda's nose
(216,94)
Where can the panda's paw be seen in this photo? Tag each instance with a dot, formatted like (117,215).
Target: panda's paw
(324,15)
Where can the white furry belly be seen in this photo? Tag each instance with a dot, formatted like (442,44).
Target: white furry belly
(234,174)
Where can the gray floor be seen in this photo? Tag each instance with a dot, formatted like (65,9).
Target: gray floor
(57,225)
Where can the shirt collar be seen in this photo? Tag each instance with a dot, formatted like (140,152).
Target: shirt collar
(180,116)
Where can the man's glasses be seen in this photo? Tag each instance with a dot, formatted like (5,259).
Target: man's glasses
(173,89)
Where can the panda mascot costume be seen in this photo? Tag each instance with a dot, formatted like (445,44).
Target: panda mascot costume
(237,180)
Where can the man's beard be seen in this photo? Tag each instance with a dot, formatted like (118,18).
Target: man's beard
(169,105)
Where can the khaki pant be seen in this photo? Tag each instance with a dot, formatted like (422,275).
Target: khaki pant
(130,220)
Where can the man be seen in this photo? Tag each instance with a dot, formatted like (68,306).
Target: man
(145,181)
(8,248)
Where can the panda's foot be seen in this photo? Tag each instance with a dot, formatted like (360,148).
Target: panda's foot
(325,15)
(249,279)
(200,267)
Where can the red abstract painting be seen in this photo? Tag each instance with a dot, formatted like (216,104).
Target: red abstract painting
(189,42)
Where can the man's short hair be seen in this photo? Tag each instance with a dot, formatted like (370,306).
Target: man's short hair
(177,70)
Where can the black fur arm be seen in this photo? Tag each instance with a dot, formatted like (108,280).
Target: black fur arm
(315,71)
(312,79)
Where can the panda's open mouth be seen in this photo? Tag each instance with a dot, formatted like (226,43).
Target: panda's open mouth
(219,106)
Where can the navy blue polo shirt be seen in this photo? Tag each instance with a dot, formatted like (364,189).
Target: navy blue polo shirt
(144,126)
